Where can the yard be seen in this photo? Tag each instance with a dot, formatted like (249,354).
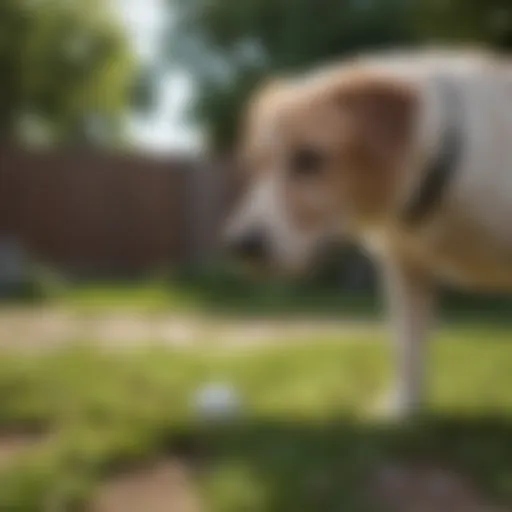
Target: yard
(88,427)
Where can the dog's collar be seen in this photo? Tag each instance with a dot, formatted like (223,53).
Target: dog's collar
(441,169)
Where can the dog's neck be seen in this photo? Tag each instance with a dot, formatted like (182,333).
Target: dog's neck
(438,152)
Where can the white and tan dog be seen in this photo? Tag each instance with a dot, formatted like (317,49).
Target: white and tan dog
(411,155)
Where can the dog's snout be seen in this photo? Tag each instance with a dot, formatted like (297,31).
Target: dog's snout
(251,246)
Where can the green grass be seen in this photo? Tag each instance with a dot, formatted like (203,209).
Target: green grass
(247,299)
(228,296)
(304,442)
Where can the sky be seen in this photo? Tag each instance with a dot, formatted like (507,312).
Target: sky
(165,129)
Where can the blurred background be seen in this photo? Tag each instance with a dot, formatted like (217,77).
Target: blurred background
(117,124)
(118,118)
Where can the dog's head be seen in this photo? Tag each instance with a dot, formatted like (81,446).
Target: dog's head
(322,155)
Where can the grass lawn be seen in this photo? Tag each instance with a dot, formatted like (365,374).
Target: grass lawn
(303,442)
(214,297)
(238,298)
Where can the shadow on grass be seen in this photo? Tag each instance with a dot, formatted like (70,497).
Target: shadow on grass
(24,293)
(280,299)
(284,466)
(300,466)
(222,291)
(291,300)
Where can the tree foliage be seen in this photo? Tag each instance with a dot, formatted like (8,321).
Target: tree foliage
(474,22)
(231,45)
(64,65)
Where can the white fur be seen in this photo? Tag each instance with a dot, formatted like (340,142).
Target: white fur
(478,200)
(264,208)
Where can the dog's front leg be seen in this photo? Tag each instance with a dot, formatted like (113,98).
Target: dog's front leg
(410,298)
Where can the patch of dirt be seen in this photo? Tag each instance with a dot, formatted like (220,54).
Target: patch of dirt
(166,486)
(40,329)
(13,446)
(427,488)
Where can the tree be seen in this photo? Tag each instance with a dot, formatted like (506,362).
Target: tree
(230,46)
(477,22)
(66,74)
(65,68)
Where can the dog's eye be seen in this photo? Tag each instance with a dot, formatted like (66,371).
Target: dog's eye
(306,161)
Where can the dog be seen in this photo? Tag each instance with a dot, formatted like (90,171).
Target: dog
(409,154)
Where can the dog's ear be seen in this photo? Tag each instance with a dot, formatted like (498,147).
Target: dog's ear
(381,116)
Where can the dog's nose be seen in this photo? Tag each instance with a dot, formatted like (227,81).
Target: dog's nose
(251,246)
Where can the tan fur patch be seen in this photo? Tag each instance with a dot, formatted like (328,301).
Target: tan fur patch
(363,124)
(252,153)
(380,122)
(383,114)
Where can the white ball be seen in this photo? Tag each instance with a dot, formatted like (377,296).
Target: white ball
(217,402)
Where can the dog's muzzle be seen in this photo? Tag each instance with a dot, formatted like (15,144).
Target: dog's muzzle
(249,247)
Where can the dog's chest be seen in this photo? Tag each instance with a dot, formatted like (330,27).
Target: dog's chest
(468,264)
(457,252)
